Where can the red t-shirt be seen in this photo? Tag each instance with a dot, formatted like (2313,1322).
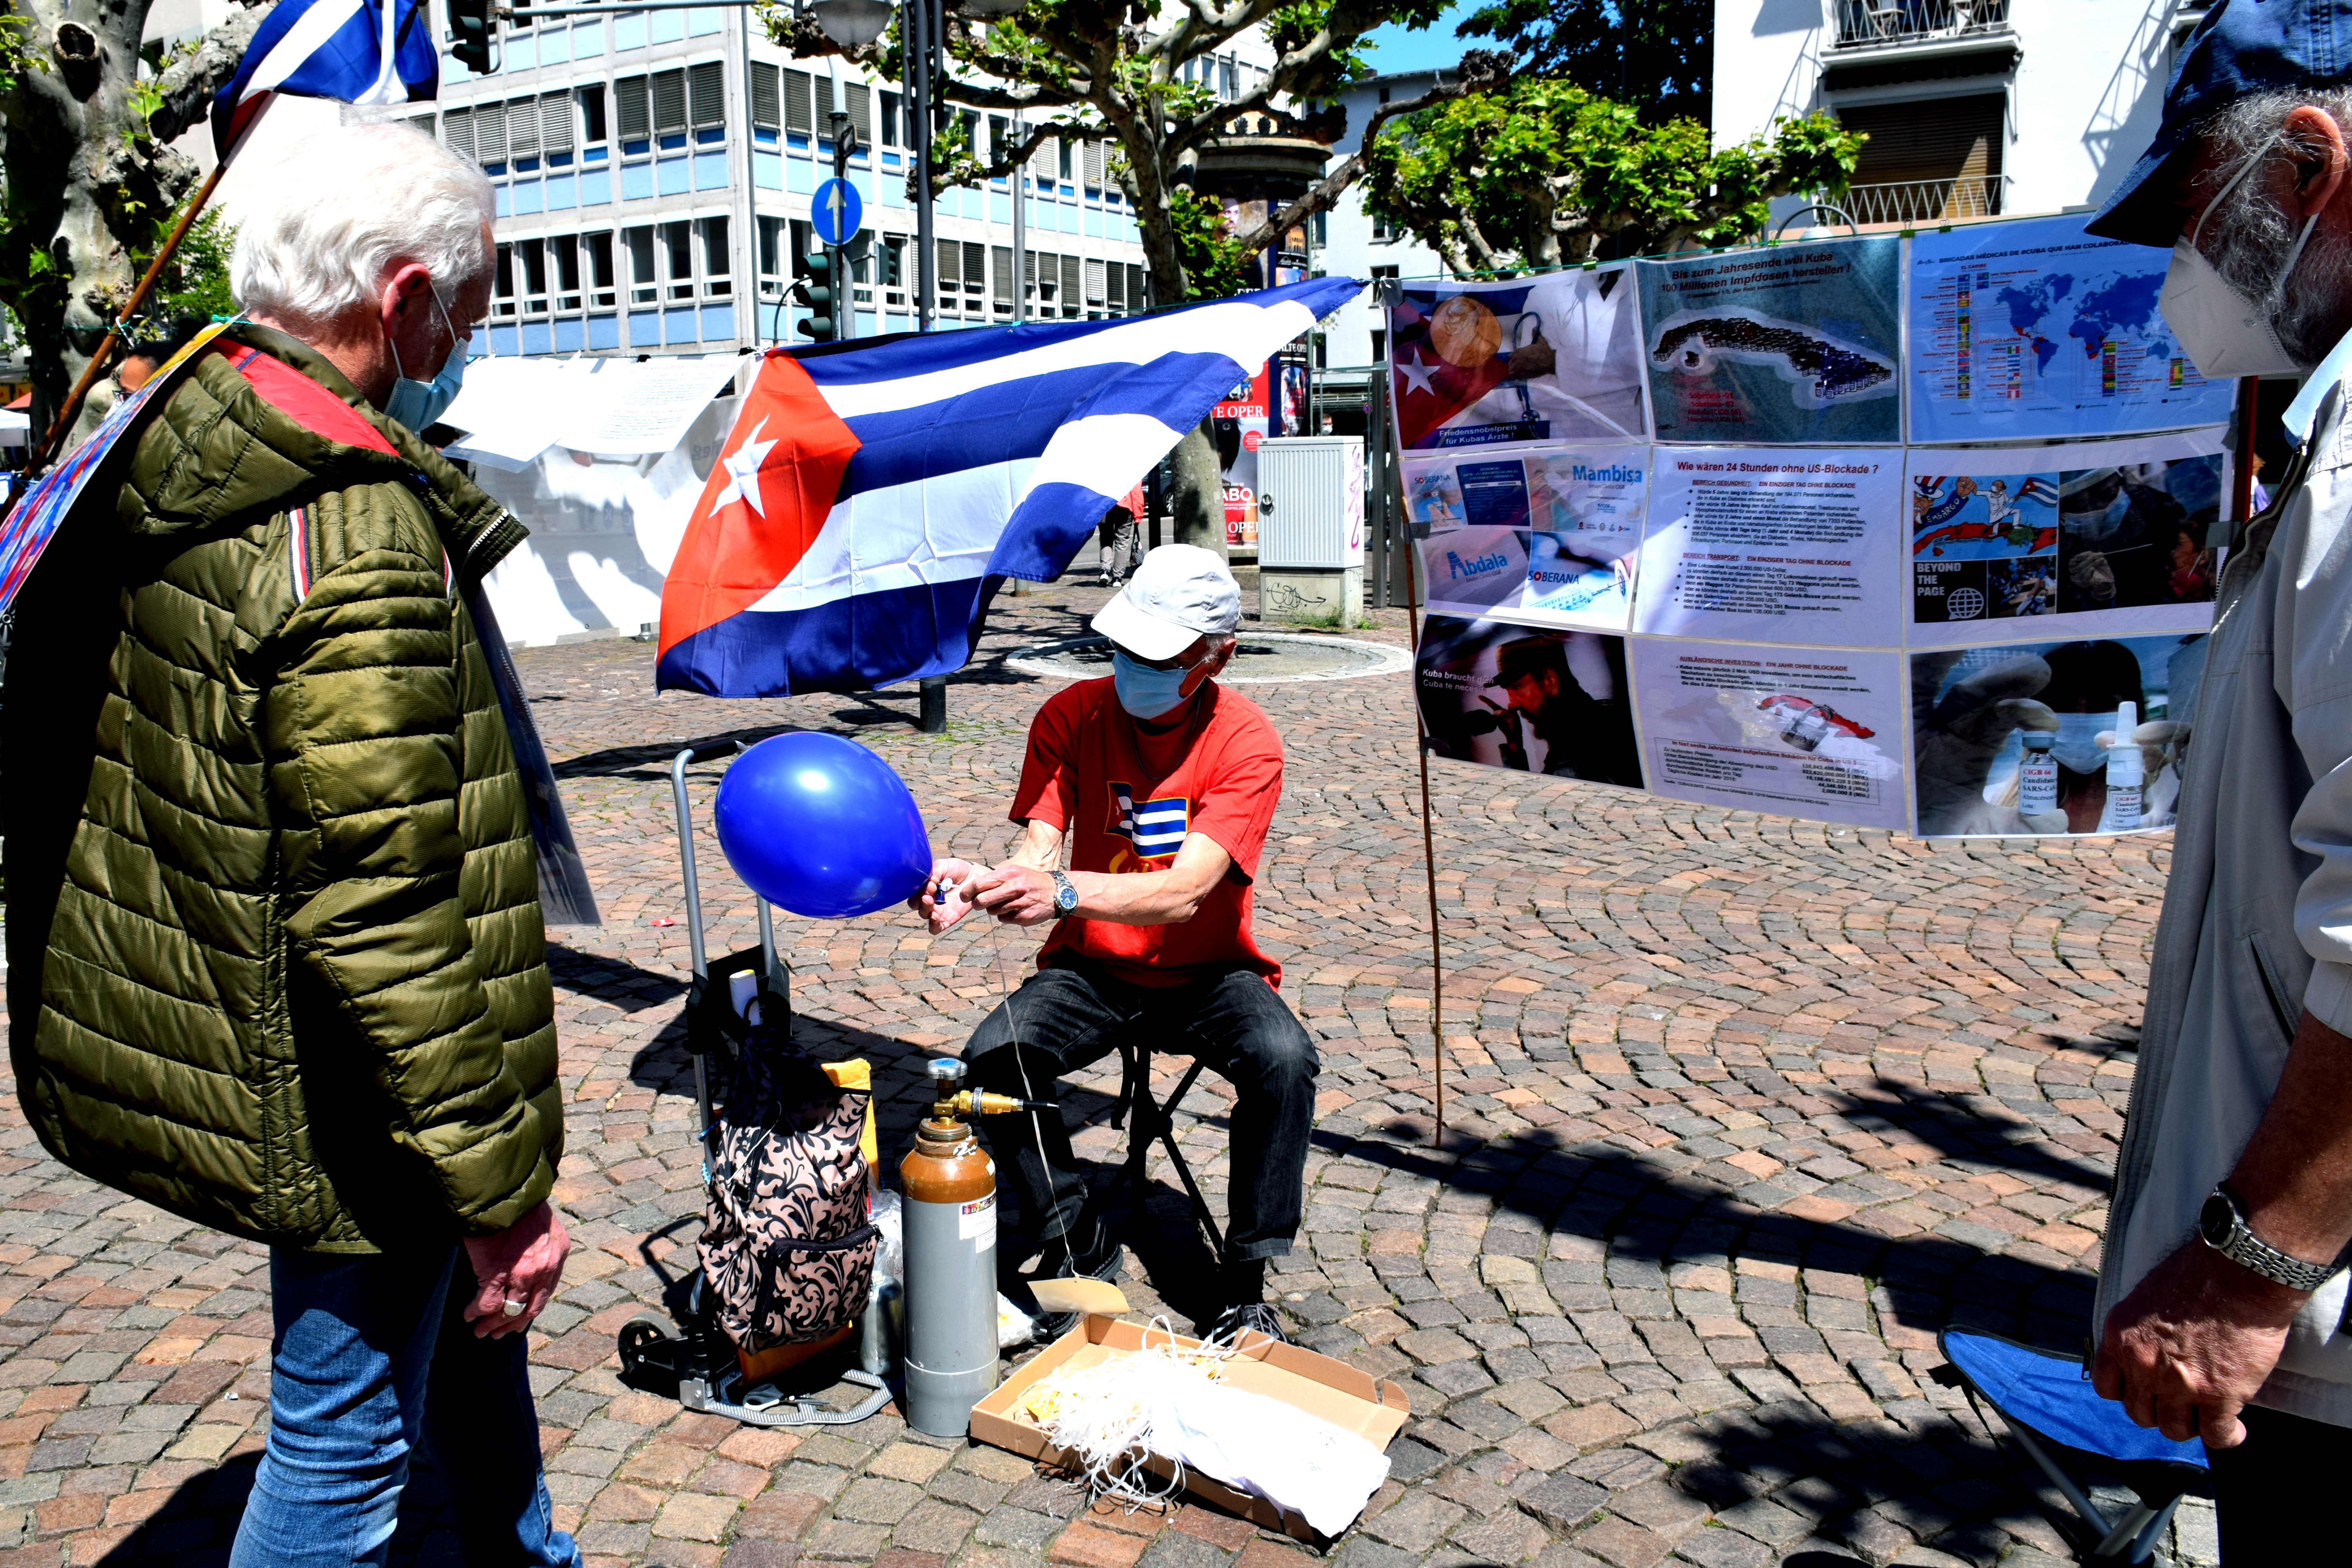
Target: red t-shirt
(1126,799)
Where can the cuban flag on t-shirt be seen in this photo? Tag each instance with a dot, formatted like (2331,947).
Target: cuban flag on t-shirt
(353,51)
(1156,827)
(873,495)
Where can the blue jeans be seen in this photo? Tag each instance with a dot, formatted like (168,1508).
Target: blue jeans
(370,1354)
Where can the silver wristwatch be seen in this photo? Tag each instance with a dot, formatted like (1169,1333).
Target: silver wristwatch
(1065,895)
(2221,1226)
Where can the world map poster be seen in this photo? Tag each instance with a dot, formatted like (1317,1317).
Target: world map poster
(2037,331)
(1795,344)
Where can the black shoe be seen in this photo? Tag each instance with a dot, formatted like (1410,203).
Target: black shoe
(1234,1323)
(1103,1260)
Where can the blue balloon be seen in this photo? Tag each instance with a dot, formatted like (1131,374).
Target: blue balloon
(822,827)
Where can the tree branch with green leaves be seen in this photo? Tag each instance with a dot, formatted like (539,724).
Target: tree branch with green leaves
(1542,174)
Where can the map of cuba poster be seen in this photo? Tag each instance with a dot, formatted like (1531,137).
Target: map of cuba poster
(2037,331)
(1796,345)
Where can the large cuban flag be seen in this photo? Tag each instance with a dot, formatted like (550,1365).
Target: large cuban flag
(354,52)
(873,495)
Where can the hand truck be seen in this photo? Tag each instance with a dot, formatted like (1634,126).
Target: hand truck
(694,1348)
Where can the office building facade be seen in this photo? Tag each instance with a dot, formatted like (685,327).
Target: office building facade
(654,173)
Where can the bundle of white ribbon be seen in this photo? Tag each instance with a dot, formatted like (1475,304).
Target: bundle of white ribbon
(1165,1400)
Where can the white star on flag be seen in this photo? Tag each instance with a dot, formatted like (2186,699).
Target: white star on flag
(743,465)
(1417,372)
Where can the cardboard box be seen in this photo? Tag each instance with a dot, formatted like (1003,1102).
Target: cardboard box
(1332,1390)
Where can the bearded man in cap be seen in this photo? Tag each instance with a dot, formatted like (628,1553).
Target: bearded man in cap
(1162,785)
(2221,1304)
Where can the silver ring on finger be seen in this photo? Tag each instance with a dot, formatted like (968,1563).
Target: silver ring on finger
(513,1307)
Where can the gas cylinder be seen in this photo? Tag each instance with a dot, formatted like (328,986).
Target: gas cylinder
(950,1185)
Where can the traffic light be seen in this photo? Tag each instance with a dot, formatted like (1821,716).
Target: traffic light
(822,289)
(472,31)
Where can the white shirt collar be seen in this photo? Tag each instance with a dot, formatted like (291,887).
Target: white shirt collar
(2331,371)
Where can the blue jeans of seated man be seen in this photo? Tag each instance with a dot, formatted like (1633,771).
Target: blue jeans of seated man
(372,1354)
(1229,1019)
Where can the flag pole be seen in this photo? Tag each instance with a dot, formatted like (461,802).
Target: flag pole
(1428,843)
(163,254)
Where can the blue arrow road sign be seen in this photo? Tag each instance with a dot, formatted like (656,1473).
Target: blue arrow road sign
(836,211)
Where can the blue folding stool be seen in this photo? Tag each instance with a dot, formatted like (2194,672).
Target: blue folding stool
(2059,1419)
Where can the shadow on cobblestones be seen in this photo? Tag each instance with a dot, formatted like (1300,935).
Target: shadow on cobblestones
(197,1524)
(1742,1110)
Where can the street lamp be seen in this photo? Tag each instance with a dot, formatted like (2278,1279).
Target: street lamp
(852,24)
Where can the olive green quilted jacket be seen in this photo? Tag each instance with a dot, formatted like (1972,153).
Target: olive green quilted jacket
(269,869)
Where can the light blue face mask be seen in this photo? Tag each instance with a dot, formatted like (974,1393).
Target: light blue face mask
(1143,691)
(2089,529)
(2077,747)
(417,404)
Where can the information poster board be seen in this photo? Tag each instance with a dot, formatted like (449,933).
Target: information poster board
(1547,535)
(1241,422)
(2036,329)
(1777,602)
(1798,343)
(1554,358)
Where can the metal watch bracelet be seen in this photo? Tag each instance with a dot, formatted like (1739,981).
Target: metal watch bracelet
(1062,884)
(2241,1247)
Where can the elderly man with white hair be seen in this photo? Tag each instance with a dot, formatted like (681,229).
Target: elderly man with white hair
(276,962)
(2221,1298)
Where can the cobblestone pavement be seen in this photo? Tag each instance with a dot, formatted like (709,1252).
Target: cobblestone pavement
(1740,1112)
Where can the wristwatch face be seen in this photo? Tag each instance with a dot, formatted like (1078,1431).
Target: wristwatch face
(2216,1220)
(1065,895)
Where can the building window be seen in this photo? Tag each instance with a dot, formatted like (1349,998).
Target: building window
(677,251)
(860,105)
(767,104)
(1384,273)
(799,118)
(600,290)
(531,257)
(563,251)
(774,236)
(718,267)
(1928,161)
(891,252)
(707,98)
(890,120)
(1380,344)
(503,291)
(644,285)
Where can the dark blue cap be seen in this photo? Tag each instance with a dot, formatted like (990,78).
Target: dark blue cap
(2242,46)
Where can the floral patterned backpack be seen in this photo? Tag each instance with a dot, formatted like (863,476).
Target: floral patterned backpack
(787,1243)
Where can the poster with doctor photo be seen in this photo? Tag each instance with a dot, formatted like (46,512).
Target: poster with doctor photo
(2083,539)
(1556,357)
(2024,738)
(1551,702)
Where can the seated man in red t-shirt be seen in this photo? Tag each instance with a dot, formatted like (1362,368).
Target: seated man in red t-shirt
(1163,784)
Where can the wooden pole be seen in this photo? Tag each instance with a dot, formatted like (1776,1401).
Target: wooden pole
(1428,841)
(97,365)
(2241,479)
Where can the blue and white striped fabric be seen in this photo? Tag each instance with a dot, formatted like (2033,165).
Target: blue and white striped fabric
(353,51)
(1160,825)
(873,495)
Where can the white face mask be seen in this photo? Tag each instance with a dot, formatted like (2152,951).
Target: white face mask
(2225,335)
